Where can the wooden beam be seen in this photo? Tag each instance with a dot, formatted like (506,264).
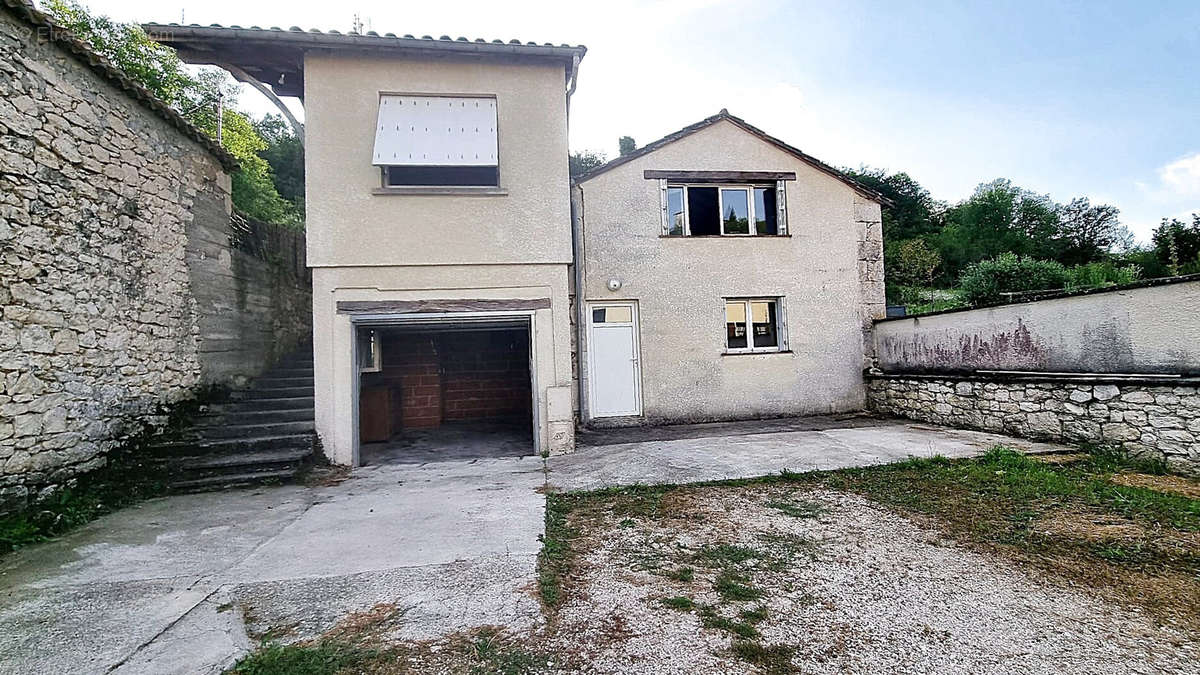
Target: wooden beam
(719,176)
(439,306)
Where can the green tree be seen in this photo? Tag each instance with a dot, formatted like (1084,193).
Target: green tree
(998,218)
(285,154)
(626,145)
(159,69)
(912,262)
(1177,245)
(584,161)
(913,212)
(1088,233)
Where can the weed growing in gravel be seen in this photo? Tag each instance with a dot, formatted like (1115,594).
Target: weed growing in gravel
(684,574)
(799,509)
(554,558)
(711,618)
(679,602)
(317,659)
(771,659)
(735,587)
(726,554)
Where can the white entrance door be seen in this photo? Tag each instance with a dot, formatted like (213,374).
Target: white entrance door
(615,380)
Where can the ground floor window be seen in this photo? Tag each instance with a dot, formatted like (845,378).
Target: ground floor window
(754,325)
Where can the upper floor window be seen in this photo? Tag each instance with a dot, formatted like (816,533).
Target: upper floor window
(729,210)
(435,141)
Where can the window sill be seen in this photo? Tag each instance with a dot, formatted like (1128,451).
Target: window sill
(763,353)
(433,190)
(724,236)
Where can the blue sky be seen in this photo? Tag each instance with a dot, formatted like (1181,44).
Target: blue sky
(1096,99)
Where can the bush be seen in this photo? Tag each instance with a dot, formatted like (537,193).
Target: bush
(986,282)
(1097,274)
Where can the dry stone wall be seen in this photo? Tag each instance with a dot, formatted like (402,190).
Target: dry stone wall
(99,283)
(1155,419)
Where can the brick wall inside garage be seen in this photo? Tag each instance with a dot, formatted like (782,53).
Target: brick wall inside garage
(437,377)
(485,375)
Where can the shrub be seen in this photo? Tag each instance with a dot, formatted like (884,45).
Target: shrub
(986,282)
(1105,273)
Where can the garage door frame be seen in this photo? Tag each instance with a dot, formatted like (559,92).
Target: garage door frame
(522,319)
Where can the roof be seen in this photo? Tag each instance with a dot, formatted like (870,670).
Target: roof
(725,116)
(276,56)
(78,49)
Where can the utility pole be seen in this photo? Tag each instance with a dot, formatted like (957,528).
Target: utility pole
(220,115)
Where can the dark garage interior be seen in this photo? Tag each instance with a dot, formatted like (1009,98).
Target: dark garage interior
(427,392)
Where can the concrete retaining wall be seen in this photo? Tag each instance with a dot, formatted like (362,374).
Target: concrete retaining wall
(1152,327)
(122,287)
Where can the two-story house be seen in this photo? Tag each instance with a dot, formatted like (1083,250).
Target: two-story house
(725,275)
(721,273)
(438,226)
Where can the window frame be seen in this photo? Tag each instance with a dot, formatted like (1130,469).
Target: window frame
(781,229)
(376,353)
(781,339)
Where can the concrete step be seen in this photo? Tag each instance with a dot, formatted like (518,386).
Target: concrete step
(290,371)
(245,462)
(189,448)
(272,392)
(271,381)
(238,416)
(221,482)
(266,403)
(231,430)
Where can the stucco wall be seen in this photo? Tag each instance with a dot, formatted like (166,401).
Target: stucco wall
(1149,329)
(829,272)
(333,337)
(348,225)
(116,269)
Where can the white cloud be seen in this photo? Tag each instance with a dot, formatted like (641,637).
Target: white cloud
(1182,177)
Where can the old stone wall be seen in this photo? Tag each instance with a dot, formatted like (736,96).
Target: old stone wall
(112,214)
(1145,418)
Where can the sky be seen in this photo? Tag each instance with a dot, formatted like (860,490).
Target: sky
(1094,99)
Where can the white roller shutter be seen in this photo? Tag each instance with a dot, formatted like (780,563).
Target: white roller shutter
(436,131)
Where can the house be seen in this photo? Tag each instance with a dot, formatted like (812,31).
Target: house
(443,242)
(725,275)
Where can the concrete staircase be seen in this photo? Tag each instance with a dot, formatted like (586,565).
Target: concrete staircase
(262,434)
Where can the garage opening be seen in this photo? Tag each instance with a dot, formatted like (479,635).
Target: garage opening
(432,392)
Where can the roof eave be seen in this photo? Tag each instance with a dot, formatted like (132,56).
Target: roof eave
(859,188)
(171,32)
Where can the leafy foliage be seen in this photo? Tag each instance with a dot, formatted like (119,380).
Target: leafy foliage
(584,161)
(159,69)
(913,261)
(1177,245)
(285,154)
(984,283)
(626,145)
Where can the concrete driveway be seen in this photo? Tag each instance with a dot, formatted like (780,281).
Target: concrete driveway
(160,587)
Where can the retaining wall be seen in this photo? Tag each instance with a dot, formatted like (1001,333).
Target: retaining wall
(123,287)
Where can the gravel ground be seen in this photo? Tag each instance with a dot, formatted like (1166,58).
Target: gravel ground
(854,589)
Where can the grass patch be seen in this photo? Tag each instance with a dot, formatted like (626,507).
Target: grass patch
(754,616)
(679,602)
(726,554)
(684,574)
(710,618)
(554,558)
(735,587)
(799,509)
(324,658)
(770,659)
